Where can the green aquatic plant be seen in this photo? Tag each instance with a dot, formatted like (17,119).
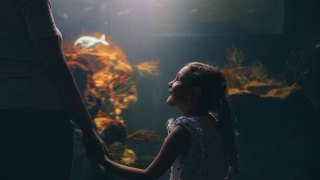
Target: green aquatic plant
(143,136)
(253,78)
(234,57)
(259,72)
(296,69)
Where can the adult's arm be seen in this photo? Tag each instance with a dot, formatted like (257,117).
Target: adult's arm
(40,25)
(49,51)
(177,142)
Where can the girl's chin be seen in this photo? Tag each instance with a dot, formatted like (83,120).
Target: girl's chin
(170,100)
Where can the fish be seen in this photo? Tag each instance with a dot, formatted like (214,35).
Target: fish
(317,45)
(90,42)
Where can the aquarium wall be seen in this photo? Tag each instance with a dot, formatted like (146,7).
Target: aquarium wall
(269,51)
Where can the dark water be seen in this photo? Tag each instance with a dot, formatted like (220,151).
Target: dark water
(278,137)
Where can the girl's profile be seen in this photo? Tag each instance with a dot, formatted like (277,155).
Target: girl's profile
(201,143)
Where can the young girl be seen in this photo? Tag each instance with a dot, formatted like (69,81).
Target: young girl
(201,143)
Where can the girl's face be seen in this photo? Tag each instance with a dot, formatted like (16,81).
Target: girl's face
(179,89)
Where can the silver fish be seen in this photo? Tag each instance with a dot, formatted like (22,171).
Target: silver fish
(89,42)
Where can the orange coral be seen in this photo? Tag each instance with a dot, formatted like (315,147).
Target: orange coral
(112,76)
(148,68)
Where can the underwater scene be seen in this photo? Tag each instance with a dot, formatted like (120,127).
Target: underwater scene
(123,53)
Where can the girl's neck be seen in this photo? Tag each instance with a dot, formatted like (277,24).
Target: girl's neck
(195,113)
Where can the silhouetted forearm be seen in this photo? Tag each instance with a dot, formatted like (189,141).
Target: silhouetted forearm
(128,172)
(59,73)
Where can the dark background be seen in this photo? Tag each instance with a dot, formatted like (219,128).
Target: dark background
(278,137)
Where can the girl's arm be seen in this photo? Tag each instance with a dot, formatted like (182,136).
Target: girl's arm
(177,142)
(50,52)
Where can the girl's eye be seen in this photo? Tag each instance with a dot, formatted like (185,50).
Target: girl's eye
(177,78)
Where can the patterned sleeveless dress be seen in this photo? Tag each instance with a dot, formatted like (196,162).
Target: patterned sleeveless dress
(205,160)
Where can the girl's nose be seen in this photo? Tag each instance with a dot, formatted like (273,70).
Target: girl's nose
(170,84)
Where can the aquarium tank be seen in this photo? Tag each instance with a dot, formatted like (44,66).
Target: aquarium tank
(123,53)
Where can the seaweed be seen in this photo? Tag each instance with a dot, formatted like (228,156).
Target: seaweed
(259,72)
(253,78)
(234,57)
(296,68)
